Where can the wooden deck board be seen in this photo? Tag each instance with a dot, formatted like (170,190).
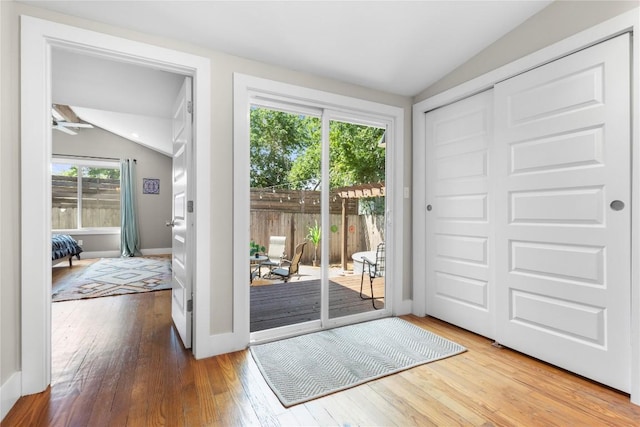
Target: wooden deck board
(282,304)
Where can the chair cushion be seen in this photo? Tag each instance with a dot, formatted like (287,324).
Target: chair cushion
(280,271)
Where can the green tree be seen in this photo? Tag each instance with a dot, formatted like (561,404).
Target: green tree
(72,171)
(103,173)
(286,151)
(305,171)
(355,157)
(277,139)
(89,172)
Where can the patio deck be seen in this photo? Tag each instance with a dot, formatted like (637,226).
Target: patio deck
(281,304)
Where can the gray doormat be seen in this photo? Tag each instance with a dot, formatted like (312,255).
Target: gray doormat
(306,367)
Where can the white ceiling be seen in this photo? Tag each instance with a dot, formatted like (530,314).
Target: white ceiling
(400,47)
(93,82)
(131,101)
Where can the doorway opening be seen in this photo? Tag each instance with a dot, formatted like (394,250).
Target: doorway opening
(36,74)
(328,148)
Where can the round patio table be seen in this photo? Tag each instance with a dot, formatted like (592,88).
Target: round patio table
(357,260)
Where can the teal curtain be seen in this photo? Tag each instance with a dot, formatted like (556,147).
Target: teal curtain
(129,239)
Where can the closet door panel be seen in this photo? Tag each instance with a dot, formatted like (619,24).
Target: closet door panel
(459,224)
(562,147)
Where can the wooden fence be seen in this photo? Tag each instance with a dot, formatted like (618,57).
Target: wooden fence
(287,213)
(100,202)
(290,213)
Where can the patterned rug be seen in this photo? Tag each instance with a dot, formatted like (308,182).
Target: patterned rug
(310,366)
(116,276)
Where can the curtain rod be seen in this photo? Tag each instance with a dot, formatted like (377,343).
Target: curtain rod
(88,157)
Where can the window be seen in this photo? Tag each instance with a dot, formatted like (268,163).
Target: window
(84,194)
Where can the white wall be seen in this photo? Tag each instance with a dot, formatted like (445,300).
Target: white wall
(9,213)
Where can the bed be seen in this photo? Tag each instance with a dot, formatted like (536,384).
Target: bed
(64,246)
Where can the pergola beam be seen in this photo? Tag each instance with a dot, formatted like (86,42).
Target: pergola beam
(362,190)
(355,192)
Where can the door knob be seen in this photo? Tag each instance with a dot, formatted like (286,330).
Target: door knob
(617,205)
(171,223)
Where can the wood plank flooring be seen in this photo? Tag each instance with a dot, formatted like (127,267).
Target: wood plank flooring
(117,361)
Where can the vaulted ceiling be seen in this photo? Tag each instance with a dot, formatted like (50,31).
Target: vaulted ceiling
(401,47)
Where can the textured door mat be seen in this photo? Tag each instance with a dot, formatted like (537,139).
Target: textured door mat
(310,366)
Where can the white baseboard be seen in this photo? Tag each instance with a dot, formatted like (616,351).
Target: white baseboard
(116,254)
(220,344)
(405,307)
(156,251)
(10,393)
(100,254)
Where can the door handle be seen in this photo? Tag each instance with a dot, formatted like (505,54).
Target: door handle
(617,205)
(171,223)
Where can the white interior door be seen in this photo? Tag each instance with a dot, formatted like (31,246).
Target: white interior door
(181,301)
(563,212)
(459,238)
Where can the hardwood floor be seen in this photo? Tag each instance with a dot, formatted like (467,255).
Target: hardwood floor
(62,270)
(117,361)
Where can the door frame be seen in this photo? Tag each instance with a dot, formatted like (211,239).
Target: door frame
(247,88)
(38,37)
(626,22)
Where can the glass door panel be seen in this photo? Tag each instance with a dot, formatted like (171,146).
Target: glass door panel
(356,264)
(283,274)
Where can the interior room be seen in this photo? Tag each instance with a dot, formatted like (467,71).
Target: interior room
(436,198)
(129,111)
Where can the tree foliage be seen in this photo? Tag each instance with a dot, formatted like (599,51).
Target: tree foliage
(277,138)
(355,156)
(90,172)
(286,151)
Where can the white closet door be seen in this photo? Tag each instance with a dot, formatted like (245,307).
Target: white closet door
(459,247)
(562,233)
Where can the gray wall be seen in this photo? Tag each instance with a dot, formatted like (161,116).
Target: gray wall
(557,21)
(153,210)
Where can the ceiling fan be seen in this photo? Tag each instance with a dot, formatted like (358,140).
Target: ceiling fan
(64,119)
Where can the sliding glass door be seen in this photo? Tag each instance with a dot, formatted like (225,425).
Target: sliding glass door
(317,219)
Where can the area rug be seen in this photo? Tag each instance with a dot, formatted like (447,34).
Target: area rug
(116,276)
(306,367)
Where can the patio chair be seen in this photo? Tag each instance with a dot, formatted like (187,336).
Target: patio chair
(374,268)
(286,272)
(276,252)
